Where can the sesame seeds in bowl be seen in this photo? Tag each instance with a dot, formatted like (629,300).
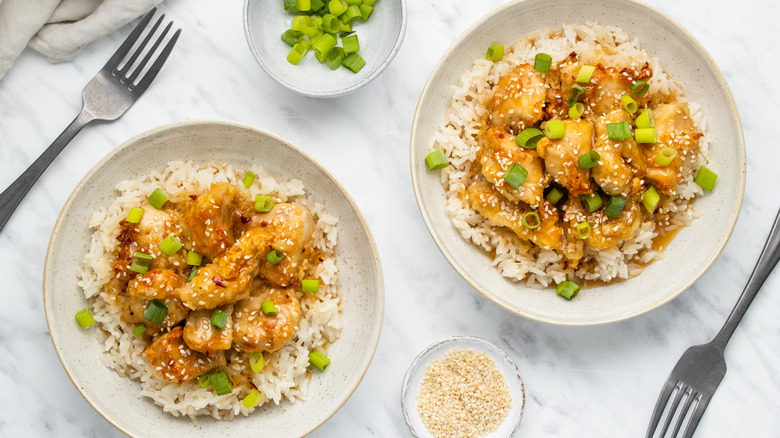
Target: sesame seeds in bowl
(466,384)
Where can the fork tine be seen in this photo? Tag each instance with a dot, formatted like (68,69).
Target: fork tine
(701,406)
(684,389)
(684,411)
(155,68)
(663,398)
(123,73)
(149,54)
(122,51)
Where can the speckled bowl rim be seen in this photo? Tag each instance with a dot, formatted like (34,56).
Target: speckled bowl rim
(451,259)
(332,93)
(455,339)
(54,335)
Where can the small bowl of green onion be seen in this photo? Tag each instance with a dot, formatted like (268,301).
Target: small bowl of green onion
(324,48)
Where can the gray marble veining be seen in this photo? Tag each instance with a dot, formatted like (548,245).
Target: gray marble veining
(587,382)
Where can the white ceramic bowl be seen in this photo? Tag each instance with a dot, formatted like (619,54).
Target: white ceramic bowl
(688,63)
(119,399)
(380,38)
(435,351)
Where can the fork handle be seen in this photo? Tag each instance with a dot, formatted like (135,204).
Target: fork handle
(13,195)
(766,262)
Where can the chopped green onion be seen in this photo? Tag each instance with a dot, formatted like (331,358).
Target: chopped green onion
(575,93)
(365,11)
(264,204)
(354,2)
(291,5)
(640,87)
(554,196)
(650,199)
(84,318)
(592,202)
(585,73)
(135,215)
(204,381)
(615,206)
(583,230)
(310,286)
(706,178)
(257,362)
(337,7)
(495,52)
(304,5)
(274,256)
(350,43)
(194,259)
(156,312)
(297,52)
(158,198)
(170,245)
(268,308)
(324,45)
(528,138)
(138,331)
(645,119)
(554,129)
(141,263)
(193,274)
(345,27)
(577,110)
(568,289)
(317,5)
(353,62)
(535,219)
(664,156)
(298,23)
(629,104)
(436,160)
(330,23)
(588,160)
(619,131)
(221,383)
(542,62)
(249,179)
(318,359)
(252,399)
(292,37)
(219,318)
(369,2)
(335,58)
(352,14)
(644,135)
(515,175)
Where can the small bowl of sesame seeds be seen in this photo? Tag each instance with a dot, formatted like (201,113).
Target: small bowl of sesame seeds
(463,386)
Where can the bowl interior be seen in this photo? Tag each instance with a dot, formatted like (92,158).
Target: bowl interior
(686,62)
(380,37)
(119,399)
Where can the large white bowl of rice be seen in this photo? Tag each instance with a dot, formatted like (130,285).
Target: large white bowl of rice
(106,361)
(642,271)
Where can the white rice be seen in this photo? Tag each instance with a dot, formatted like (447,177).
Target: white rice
(286,375)
(457,138)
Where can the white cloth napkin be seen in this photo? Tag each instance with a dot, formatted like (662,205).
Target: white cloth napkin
(59,29)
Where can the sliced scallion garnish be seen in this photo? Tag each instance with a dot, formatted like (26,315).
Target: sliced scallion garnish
(156,312)
(158,198)
(257,362)
(575,93)
(310,286)
(297,52)
(269,308)
(335,58)
(515,175)
(528,138)
(568,289)
(170,245)
(554,129)
(665,155)
(252,399)
(249,179)
(138,331)
(588,160)
(640,87)
(554,196)
(274,256)
(615,206)
(193,274)
(221,383)
(204,381)
(436,160)
(135,215)
(629,104)
(542,62)
(495,52)
(531,220)
(585,73)
(619,131)
(84,318)
(645,119)
(644,135)
(264,204)
(650,199)
(353,62)
(141,263)
(219,318)
(577,110)
(583,230)
(292,37)
(194,259)
(592,202)
(706,178)
(318,359)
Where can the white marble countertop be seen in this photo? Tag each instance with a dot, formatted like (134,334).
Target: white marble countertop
(589,382)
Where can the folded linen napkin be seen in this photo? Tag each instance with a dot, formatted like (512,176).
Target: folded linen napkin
(59,29)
